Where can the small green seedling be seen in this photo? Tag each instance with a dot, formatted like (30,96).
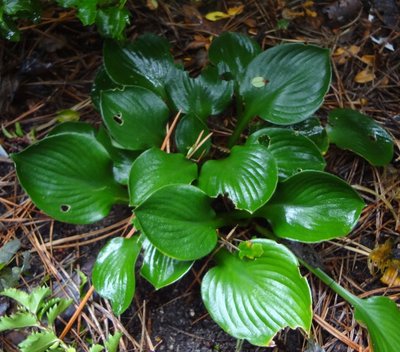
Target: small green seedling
(38,312)
(271,181)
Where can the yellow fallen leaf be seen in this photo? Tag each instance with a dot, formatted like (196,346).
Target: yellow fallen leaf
(391,276)
(343,54)
(219,15)
(152,4)
(308,4)
(216,16)
(365,76)
(236,10)
(368,59)
(288,14)
(311,13)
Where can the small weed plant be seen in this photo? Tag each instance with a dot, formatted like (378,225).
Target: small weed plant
(264,180)
(38,312)
(110,16)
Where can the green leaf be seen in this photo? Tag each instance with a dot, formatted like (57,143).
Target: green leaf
(251,184)
(349,129)
(122,159)
(381,317)
(31,301)
(39,342)
(312,129)
(86,11)
(96,348)
(313,206)
(179,221)
(135,117)
(69,177)
(251,250)
(112,342)
(202,96)
(147,62)
(9,29)
(161,270)
(292,151)
(8,251)
(22,8)
(112,21)
(232,52)
(17,321)
(114,272)
(296,78)
(155,169)
(102,81)
(255,299)
(187,133)
(54,311)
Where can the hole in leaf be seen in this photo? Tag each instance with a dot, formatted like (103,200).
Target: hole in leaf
(65,208)
(226,76)
(118,119)
(259,82)
(299,169)
(264,140)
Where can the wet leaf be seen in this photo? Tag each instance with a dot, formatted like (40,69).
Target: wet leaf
(161,270)
(155,169)
(255,299)
(313,206)
(135,117)
(293,152)
(349,129)
(297,78)
(114,272)
(250,186)
(69,176)
(179,221)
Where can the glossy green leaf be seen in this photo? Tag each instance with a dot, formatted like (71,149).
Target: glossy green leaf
(187,133)
(292,151)
(179,221)
(146,62)
(69,177)
(202,96)
(161,270)
(112,21)
(381,317)
(249,176)
(296,78)
(114,272)
(86,11)
(255,299)
(312,129)
(232,52)
(102,81)
(155,169)
(313,206)
(349,129)
(39,342)
(122,159)
(135,117)
(18,320)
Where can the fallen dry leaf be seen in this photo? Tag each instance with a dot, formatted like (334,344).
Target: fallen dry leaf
(368,59)
(343,54)
(365,76)
(386,259)
(219,15)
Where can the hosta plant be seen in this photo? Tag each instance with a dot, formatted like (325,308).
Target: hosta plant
(266,177)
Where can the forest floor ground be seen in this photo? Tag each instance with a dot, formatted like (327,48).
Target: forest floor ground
(52,69)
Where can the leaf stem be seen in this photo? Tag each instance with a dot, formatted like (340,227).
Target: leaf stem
(242,123)
(239,345)
(325,278)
